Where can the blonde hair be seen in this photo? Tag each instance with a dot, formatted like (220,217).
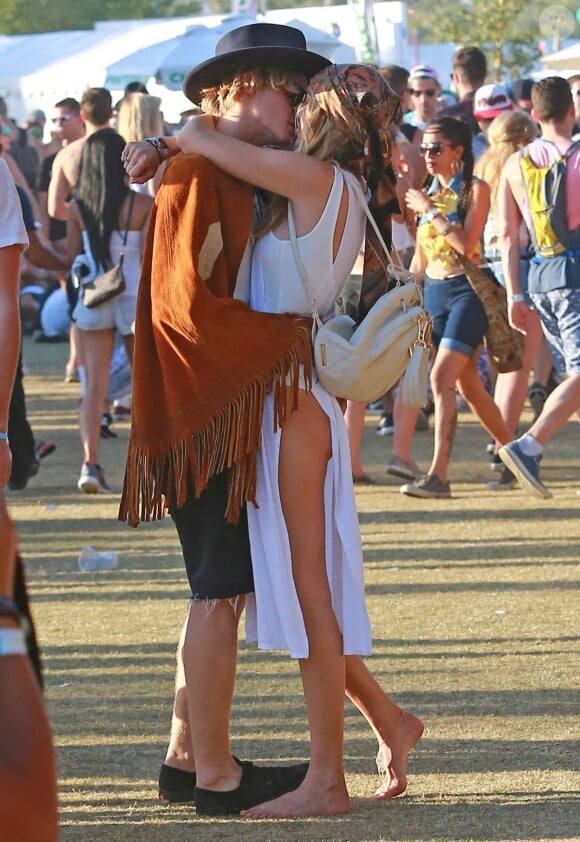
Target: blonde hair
(140,117)
(507,133)
(220,99)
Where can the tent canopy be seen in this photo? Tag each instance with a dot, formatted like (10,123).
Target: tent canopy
(568,59)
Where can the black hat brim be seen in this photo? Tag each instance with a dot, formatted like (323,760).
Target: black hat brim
(223,68)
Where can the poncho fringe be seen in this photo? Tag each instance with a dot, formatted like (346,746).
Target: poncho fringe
(157,475)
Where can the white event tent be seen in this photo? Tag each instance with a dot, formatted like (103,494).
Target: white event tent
(37,70)
(564,60)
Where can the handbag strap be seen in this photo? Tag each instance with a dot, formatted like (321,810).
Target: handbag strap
(300,265)
(394,262)
(126,234)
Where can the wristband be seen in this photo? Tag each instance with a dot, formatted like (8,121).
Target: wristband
(3,436)
(159,144)
(446,230)
(8,608)
(431,214)
(515,299)
(12,642)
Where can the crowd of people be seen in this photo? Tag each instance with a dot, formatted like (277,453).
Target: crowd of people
(231,433)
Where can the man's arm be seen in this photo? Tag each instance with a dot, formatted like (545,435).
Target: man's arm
(38,253)
(58,189)
(142,159)
(9,343)
(509,221)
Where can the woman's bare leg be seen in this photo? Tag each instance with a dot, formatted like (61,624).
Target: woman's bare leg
(355,425)
(96,349)
(304,453)
(404,427)
(447,368)
(482,404)
(396,730)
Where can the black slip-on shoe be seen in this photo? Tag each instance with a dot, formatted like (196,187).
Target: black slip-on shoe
(175,785)
(257,784)
(178,786)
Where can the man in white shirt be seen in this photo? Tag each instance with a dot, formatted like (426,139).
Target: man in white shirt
(13,241)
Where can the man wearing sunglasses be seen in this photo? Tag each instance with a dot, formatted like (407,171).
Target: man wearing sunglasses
(66,127)
(424,90)
(96,110)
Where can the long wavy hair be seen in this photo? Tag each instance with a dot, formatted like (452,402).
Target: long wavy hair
(101,190)
(347,131)
(507,133)
(140,117)
(458,133)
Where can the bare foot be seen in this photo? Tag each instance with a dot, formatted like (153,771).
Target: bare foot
(307,800)
(392,758)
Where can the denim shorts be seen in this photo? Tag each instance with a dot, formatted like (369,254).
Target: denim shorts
(559,312)
(118,313)
(460,321)
(216,553)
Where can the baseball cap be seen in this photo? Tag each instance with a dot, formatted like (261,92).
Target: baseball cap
(491,100)
(423,71)
(521,90)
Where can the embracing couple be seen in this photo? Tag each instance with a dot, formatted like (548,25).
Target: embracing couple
(232,432)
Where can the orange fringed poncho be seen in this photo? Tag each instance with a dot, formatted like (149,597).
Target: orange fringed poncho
(203,361)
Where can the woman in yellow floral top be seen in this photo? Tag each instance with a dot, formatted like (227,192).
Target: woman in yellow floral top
(452,209)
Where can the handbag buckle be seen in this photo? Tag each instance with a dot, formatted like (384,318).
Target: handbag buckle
(424,331)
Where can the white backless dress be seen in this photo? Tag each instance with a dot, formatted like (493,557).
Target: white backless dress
(273,614)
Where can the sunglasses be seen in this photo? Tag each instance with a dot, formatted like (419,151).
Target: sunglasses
(433,149)
(64,118)
(430,92)
(296,98)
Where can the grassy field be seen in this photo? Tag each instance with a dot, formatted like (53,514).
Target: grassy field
(474,608)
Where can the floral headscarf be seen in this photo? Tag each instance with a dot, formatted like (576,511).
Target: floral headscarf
(354,94)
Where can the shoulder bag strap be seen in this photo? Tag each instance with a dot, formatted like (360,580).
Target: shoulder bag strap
(393,260)
(300,265)
(129,214)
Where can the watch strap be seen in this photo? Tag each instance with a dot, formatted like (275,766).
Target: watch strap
(159,144)
(12,642)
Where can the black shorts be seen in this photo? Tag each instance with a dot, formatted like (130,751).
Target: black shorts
(216,553)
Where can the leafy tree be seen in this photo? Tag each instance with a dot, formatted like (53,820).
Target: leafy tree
(508,31)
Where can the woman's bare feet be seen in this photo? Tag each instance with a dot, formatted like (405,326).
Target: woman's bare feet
(392,758)
(308,800)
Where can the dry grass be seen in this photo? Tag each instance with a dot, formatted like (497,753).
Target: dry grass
(472,604)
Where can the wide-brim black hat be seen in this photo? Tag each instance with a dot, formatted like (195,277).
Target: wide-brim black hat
(254,46)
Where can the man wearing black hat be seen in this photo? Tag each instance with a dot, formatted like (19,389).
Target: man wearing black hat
(248,60)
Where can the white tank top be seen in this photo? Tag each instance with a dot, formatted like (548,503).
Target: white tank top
(276,286)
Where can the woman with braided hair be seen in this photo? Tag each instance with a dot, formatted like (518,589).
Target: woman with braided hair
(452,209)
(304,533)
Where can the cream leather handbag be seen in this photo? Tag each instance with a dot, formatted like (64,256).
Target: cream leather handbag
(362,362)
